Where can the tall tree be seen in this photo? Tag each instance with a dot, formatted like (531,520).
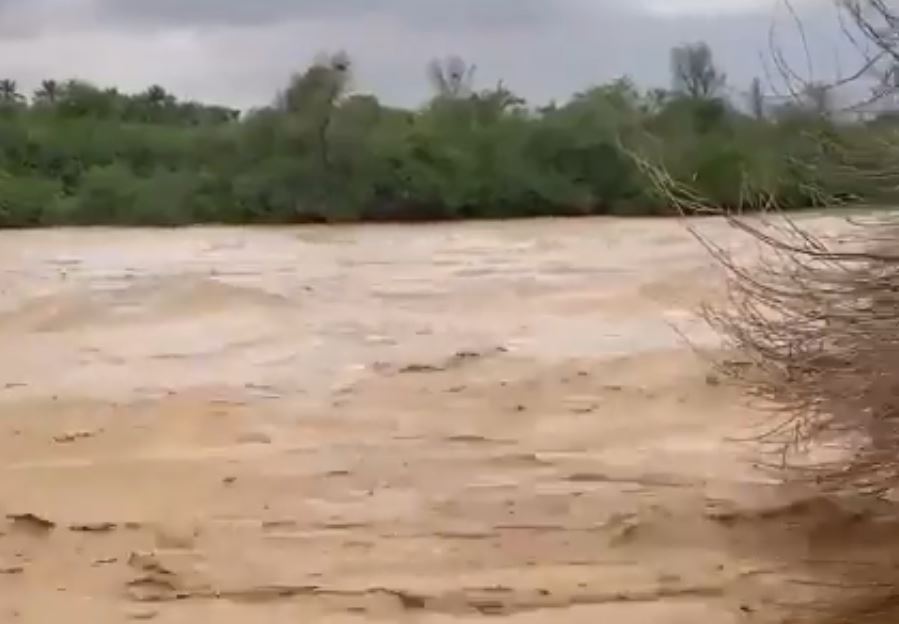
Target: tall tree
(452,77)
(817,99)
(492,104)
(78,98)
(313,96)
(157,96)
(323,83)
(49,92)
(756,99)
(694,73)
(9,92)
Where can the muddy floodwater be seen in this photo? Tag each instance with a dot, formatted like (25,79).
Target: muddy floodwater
(376,424)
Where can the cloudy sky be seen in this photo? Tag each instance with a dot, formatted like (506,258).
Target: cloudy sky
(239,52)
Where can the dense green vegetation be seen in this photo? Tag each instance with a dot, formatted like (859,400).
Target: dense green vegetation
(77,154)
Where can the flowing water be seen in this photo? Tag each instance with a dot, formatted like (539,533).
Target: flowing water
(374,423)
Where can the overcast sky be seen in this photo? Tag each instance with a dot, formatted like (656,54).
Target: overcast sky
(239,52)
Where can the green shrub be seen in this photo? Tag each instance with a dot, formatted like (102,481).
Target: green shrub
(84,155)
(107,195)
(25,201)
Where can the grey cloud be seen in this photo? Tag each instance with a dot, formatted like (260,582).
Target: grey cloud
(420,13)
(20,19)
(200,12)
(242,51)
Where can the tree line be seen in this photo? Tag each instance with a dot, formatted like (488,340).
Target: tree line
(77,154)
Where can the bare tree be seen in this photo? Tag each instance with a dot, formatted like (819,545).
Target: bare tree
(452,77)
(313,96)
(877,22)
(694,73)
(872,28)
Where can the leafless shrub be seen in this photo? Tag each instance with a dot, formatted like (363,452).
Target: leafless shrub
(810,325)
(816,318)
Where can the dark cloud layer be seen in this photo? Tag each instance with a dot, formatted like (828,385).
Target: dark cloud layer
(242,51)
(420,13)
(220,12)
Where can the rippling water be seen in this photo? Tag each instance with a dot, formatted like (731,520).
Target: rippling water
(303,308)
(275,424)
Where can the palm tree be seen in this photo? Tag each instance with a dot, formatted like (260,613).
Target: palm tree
(9,93)
(49,92)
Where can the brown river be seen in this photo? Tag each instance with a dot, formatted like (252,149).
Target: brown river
(435,424)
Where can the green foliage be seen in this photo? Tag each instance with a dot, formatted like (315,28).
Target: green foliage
(107,195)
(77,154)
(25,200)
